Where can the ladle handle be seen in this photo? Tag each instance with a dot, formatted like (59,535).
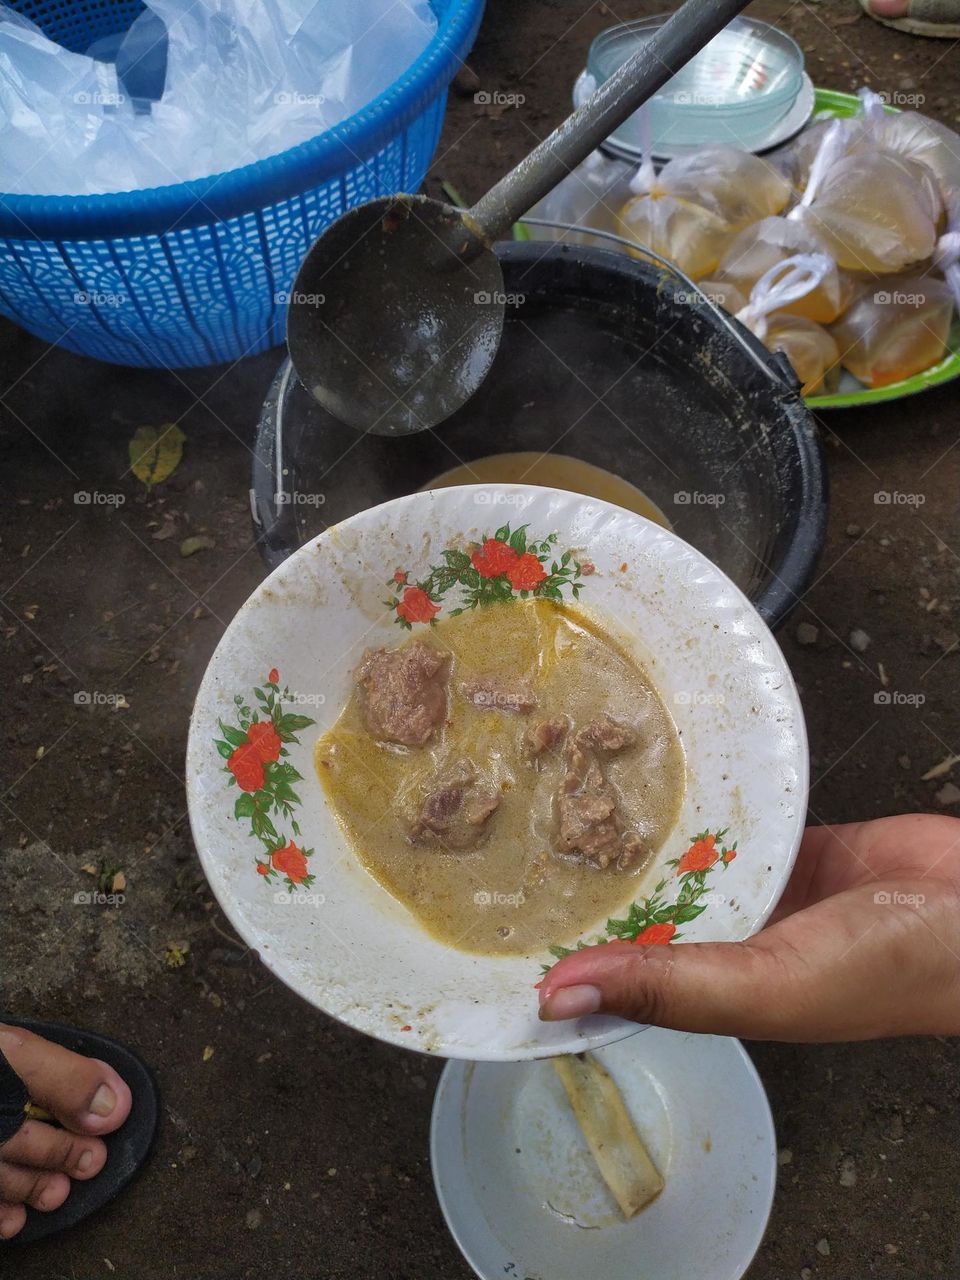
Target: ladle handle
(683,35)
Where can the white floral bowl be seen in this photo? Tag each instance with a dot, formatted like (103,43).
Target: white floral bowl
(276,857)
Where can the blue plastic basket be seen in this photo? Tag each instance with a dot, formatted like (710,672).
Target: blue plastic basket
(197,272)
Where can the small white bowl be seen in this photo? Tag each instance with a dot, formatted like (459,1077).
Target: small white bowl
(522,1195)
(340,939)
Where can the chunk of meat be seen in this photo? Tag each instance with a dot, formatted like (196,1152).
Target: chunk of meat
(544,736)
(605,734)
(456,811)
(488,693)
(590,825)
(404,692)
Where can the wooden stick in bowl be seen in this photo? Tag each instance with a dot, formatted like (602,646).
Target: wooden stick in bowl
(621,1157)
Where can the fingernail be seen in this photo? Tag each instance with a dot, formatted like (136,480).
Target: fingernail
(571,1002)
(104,1100)
(47,1201)
(85,1161)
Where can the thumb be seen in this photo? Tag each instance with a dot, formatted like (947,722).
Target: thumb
(842,969)
(743,989)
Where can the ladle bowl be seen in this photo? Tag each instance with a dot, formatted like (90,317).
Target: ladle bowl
(407,266)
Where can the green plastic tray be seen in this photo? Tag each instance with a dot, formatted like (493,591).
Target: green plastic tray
(828,102)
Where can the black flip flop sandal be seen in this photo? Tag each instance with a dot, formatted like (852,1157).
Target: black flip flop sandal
(127,1148)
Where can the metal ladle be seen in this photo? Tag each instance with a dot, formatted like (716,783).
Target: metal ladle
(396,313)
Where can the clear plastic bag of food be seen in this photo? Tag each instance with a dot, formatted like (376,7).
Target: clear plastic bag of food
(924,141)
(687,234)
(900,326)
(913,137)
(591,196)
(757,248)
(690,210)
(897,327)
(874,211)
(736,185)
(905,134)
(809,347)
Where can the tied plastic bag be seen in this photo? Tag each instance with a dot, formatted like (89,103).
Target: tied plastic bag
(736,185)
(589,196)
(922,141)
(686,234)
(757,248)
(900,326)
(811,350)
(905,134)
(896,328)
(245,79)
(875,212)
(912,137)
(689,212)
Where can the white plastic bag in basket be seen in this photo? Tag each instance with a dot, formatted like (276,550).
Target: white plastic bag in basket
(245,79)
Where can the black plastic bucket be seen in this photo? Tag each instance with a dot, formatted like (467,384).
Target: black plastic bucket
(612,360)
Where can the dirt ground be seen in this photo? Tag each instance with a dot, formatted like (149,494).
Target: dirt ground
(298,1148)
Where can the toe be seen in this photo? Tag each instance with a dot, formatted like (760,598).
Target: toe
(84,1094)
(41,1146)
(890,8)
(35,1187)
(12,1218)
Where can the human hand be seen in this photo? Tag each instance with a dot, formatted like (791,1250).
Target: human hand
(864,943)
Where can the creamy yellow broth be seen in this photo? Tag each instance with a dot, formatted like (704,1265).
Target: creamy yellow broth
(553,471)
(512,894)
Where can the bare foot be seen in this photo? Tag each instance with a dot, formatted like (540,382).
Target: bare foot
(921,17)
(85,1095)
